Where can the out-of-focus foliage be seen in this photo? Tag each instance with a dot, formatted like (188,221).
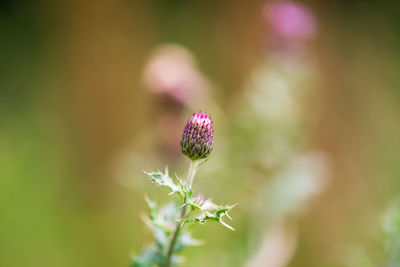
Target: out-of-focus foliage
(391,227)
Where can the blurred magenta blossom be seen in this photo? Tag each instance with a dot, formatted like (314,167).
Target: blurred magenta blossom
(172,70)
(290,20)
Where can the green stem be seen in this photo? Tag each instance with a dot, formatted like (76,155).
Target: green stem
(178,228)
(192,172)
(181,222)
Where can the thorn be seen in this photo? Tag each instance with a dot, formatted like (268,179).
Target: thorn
(146,220)
(232,206)
(227,226)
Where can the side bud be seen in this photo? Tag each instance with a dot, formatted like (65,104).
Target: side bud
(198,137)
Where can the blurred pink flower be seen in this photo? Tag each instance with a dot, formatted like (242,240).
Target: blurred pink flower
(290,20)
(201,198)
(172,70)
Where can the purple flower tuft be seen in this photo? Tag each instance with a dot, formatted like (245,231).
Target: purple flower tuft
(198,137)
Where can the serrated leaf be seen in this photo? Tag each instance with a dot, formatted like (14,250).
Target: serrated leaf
(176,260)
(170,213)
(161,221)
(149,257)
(214,213)
(160,234)
(202,205)
(164,180)
(208,205)
(186,240)
(186,191)
(152,206)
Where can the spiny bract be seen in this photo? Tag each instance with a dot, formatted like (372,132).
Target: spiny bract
(198,137)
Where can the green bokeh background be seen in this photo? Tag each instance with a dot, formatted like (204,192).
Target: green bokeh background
(72,106)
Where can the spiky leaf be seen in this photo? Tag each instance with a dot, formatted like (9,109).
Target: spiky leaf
(212,213)
(163,179)
(150,257)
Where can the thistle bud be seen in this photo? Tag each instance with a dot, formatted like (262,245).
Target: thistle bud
(198,137)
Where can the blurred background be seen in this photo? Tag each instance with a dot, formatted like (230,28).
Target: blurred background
(305,98)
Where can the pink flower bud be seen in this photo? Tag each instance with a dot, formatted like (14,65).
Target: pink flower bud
(198,137)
